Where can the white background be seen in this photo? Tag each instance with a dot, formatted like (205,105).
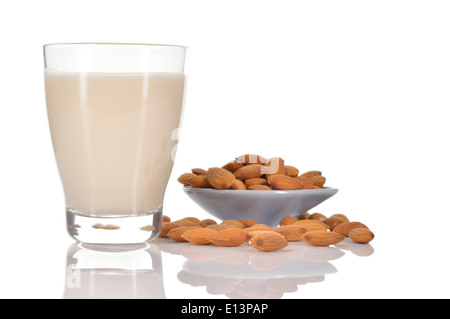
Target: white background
(356,89)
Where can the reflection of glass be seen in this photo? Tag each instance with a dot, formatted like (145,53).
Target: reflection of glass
(243,272)
(112,110)
(114,272)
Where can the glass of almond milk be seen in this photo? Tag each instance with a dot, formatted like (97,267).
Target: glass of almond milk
(114,111)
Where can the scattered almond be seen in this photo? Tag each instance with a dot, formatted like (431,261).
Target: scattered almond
(167,226)
(311,222)
(252,234)
(247,222)
(322,238)
(291,232)
(198,235)
(287,220)
(192,219)
(317,216)
(219,227)
(345,228)
(341,216)
(257,227)
(332,222)
(313,230)
(305,215)
(361,235)
(206,222)
(177,232)
(268,242)
(186,222)
(228,237)
(233,223)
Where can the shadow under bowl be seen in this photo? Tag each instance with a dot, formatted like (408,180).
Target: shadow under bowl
(265,207)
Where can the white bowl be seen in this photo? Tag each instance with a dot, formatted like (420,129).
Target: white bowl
(265,207)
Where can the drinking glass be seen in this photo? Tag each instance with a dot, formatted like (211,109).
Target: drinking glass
(114,111)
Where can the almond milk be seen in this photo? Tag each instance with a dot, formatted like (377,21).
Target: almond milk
(113,138)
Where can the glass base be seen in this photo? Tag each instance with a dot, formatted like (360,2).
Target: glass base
(114,230)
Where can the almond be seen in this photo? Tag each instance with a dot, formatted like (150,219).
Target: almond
(256,181)
(305,215)
(321,238)
(291,232)
(318,180)
(234,223)
(206,222)
(291,171)
(232,166)
(238,184)
(219,227)
(332,222)
(186,222)
(228,237)
(274,166)
(250,159)
(260,188)
(192,219)
(198,181)
(167,226)
(311,224)
(198,171)
(177,232)
(306,183)
(361,235)
(345,228)
(257,232)
(220,178)
(249,171)
(257,227)
(165,218)
(341,216)
(284,182)
(310,174)
(268,242)
(198,235)
(287,220)
(183,179)
(247,222)
(317,216)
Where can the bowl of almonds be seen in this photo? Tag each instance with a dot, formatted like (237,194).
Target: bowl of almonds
(253,187)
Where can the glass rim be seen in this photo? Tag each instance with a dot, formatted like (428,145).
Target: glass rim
(123,44)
